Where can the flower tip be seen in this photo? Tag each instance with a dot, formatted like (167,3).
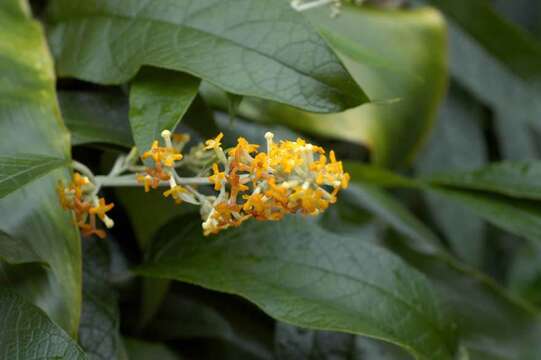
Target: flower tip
(269,135)
(166,134)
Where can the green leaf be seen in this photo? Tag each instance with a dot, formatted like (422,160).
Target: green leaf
(491,324)
(158,100)
(457,143)
(32,216)
(303,275)
(385,207)
(520,217)
(99,333)
(493,59)
(399,57)
(192,316)
(508,43)
(27,333)
(96,117)
(513,179)
(293,343)
(18,170)
(260,48)
(143,350)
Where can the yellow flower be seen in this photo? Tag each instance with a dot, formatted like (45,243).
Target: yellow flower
(217,178)
(214,143)
(101,208)
(175,192)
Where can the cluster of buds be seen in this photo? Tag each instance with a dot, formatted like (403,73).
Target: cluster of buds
(80,196)
(289,177)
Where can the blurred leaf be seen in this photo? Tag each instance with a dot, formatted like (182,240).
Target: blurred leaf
(96,117)
(399,57)
(457,143)
(493,59)
(520,217)
(20,169)
(306,276)
(32,216)
(293,343)
(27,333)
(99,332)
(385,207)
(145,350)
(182,317)
(159,99)
(491,325)
(513,179)
(260,48)
(138,206)
(525,273)
(512,46)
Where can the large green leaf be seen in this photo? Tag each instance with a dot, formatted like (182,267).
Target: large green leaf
(399,57)
(158,100)
(18,170)
(301,274)
(513,179)
(32,216)
(96,117)
(99,333)
(27,333)
(260,48)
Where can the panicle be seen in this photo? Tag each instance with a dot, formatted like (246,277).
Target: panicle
(289,177)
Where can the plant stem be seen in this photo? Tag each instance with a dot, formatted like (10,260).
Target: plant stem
(129,180)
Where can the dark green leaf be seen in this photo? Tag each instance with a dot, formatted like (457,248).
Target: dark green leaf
(158,100)
(385,207)
(293,343)
(514,179)
(186,317)
(260,48)
(492,325)
(457,143)
(399,57)
(520,217)
(99,332)
(144,350)
(20,169)
(27,333)
(508,43)
(301,274)
(32,216)
(96,117)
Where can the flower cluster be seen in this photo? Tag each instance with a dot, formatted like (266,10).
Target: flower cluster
(80,197)
(289,177)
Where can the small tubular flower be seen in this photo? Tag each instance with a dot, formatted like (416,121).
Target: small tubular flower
(79,197)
